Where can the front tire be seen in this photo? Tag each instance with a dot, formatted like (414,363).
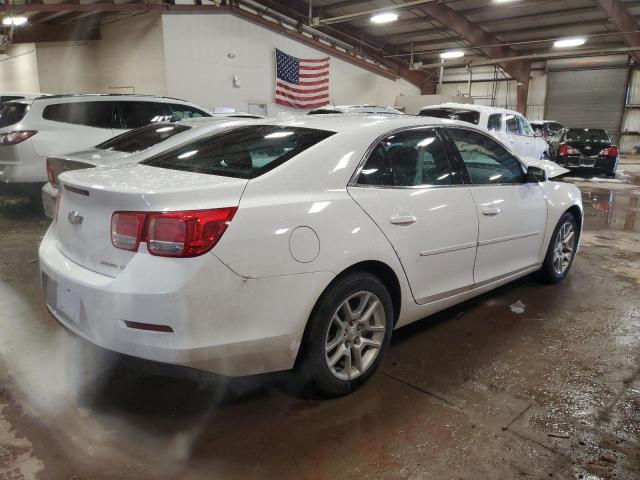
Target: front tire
(561,250)
(348,333)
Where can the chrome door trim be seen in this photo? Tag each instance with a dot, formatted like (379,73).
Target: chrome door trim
(455,248)
(507,239)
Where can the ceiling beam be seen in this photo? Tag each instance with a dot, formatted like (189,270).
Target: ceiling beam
(624,22)
(41,32)
(475,35)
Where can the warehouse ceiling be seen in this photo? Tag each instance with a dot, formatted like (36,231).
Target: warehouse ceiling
(511,32)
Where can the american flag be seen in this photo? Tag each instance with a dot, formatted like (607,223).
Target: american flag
(301,82)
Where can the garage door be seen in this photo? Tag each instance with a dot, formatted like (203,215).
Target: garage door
(587,98)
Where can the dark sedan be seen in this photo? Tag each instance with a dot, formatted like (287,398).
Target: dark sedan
(585,148)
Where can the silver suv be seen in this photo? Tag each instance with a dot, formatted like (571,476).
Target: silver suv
(32,130)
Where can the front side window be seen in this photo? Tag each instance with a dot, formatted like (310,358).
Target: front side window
(91,114)
(142,138)
(525,128)
(243,152)
(495,122)
(469,116)
(513,126)
(138,114)
(12,113)
(180,112)
(486,161)
(408,159)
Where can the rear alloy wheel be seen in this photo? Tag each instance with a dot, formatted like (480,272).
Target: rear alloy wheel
(347,336)
(561,251)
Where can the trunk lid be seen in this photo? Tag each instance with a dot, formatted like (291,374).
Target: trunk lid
(89,198)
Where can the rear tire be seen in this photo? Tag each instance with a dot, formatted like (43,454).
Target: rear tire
(347,335)
(561,250)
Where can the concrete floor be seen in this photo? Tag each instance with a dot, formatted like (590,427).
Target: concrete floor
(475,392)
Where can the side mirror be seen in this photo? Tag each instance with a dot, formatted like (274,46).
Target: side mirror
(536,174)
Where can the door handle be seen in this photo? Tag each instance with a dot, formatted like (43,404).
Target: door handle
(403,220)
(491,211)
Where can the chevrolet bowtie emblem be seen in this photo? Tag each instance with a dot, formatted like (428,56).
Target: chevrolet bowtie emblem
(75,218)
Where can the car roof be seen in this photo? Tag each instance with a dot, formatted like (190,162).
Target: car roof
(107,96)
(471,106)
(364,108)
(343,122)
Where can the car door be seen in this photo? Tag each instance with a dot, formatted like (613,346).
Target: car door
(512,214)
(407,186)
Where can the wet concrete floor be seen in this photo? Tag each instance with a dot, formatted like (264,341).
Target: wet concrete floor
(474,392)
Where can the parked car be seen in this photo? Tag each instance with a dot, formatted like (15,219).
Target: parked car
(32,130)
(507,126)
(585,148)
(130,148)
(300,243)
(545,129)
(329,109)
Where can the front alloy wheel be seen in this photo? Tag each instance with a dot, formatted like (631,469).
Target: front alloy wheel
(562,250)
(347,335)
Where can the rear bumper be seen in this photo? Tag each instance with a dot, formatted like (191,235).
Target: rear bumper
(600,164)
(221,322)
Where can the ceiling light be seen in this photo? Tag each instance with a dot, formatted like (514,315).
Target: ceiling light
(452,54)
(384,18)
(569,42)
(14,21)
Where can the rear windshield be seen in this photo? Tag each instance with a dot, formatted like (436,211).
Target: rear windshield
(12,113)
(553,127)
(587,135)
(244,152)
(142,138)
(468,116)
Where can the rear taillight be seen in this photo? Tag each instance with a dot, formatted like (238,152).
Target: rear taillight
(609,152)
(11,138)
(126,230)
(171,234)
(567,150)
(51,173)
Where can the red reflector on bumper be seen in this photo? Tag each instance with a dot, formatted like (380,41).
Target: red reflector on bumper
(149,326)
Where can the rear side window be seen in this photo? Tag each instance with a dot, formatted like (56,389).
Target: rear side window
(180,112)
(468,116)
(244,152)
(138,114)
(91,114)
(142,138)
(12,113)
(495,122)
(409,159)
(553,127)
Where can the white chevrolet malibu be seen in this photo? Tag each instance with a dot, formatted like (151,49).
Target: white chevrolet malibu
(299,243)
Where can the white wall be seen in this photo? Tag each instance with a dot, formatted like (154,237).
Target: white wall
(129,58)
(198,66)
(19,69)
(67,67)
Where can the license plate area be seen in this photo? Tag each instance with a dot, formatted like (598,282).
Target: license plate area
(68,303)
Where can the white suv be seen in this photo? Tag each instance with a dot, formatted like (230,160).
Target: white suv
(508,126)
(32,130)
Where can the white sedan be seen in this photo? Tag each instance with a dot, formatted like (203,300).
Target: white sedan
(299,243)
